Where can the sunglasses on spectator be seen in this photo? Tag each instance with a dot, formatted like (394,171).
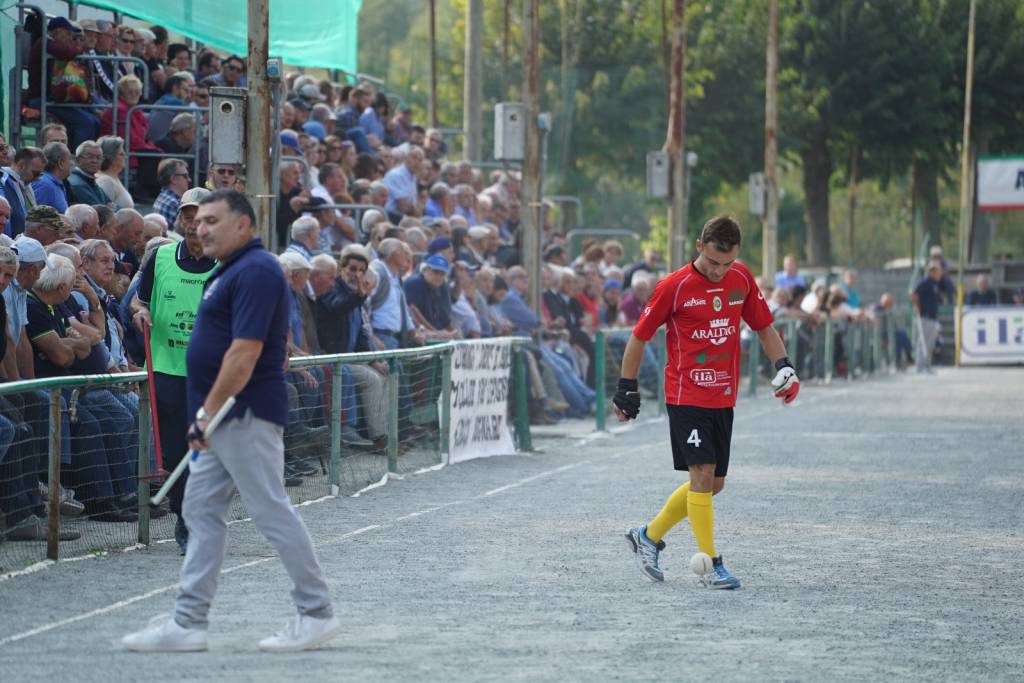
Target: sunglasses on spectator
(233,67)
(225,171)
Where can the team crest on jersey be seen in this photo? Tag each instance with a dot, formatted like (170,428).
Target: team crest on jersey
(694,301)
(736,297)
(716,303)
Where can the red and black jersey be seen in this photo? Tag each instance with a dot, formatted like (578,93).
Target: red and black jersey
(703,332)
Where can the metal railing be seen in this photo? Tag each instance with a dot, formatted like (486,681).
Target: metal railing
(852,349)
(631,241)
(432,386)
(193,155)
(574,201)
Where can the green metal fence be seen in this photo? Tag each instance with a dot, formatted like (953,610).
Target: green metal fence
(336,396)
(821,353)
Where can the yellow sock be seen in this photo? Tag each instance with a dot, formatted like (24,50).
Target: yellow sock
(671,514)
(702,519)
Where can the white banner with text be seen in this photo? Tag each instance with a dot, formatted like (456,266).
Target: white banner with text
(1001,183)
(993,335)
(481,378)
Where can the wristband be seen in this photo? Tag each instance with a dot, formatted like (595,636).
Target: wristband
(201,414)
(195,433)
(783,363)
(627,384)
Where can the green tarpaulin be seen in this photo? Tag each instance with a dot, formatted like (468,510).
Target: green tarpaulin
(323,33)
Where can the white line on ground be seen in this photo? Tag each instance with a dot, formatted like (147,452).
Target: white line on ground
(252,563)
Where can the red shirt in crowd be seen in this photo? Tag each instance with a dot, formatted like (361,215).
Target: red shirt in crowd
(703,332)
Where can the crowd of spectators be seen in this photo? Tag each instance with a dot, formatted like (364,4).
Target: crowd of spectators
(386,240)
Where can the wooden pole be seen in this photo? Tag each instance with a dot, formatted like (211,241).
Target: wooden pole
(473,82)
(965,185)
(432,94)
(676,142)
(257,118)
(770,236)
(532,216)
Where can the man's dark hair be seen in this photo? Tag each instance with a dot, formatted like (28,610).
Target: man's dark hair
(237,203)
(327,170)
(104,212)
(27,153)
(343,94)
(174,81)
(174,48)
(359,193)
(417,128)
(160,32)
(723,231)
(234,58)
(205,59)
(394,231)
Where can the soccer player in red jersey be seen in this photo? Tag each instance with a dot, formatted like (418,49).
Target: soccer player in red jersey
(701,304)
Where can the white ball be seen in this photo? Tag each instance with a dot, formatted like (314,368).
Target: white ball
(701,564)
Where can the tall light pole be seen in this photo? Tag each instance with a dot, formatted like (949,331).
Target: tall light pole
(432,92)
(676,139)
(531,212)
(770,236)
(257,121)
(966,207)
(473,82)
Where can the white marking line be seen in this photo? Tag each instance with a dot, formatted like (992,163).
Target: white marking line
(156,591)
(535,477)
(165,589)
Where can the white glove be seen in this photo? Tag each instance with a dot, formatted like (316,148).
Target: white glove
(786,384)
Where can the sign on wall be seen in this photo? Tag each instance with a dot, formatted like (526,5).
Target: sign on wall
(992,335)
(481,377)
(1001,183)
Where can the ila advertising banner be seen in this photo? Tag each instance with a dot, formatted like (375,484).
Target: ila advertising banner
(992,335)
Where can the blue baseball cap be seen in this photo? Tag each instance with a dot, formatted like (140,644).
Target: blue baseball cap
(612,283)
(437,262)
(438,244)
(316,129)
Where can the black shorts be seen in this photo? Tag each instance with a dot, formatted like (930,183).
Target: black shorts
(700,436)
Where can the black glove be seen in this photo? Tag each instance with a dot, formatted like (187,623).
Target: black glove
(627,398)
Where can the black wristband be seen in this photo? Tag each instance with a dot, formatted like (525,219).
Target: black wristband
(783,363)
(627,384)
(194,432)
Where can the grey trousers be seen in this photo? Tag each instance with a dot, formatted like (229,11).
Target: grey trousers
(246,453)
(370,386)
(927,333)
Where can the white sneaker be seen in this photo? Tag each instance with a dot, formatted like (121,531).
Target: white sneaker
(302,633)
(163,634)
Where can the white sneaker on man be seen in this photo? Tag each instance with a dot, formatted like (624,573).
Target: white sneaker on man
(163,634)
(302,633)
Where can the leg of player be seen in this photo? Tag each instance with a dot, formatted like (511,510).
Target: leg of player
(703,484)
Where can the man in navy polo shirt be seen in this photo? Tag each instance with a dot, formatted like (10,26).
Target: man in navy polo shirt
(238,348)
(926,297)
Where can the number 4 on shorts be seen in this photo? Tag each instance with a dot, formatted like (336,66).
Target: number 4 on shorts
(694,438)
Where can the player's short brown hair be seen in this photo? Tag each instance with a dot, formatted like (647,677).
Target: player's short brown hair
(723,231)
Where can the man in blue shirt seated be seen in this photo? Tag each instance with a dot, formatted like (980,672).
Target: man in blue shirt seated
(430,299)
(983,295)
(51,188)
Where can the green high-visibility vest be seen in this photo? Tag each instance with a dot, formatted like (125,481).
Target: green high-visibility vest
(173,306)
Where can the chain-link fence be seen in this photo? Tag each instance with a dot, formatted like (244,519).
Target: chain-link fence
(352,418)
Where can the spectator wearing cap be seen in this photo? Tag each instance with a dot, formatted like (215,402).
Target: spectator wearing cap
(84,188)
(430,300)
(475,251)
(442,246)
(51,189)
(441,202)
(45,224)
(183,269)
(302,110)
(610,310)
(401,184)
(181,137)
(174,180)
(61,49)
(99,41)
(109,176)
(31,261)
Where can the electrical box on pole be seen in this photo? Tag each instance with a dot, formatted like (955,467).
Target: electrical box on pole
(757,194)
(509,131)
(227,126)
(657,175)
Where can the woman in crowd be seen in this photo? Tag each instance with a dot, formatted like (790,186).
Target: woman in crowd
(110,171)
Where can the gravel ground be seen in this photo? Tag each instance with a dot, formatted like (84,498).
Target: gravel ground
(877,528)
